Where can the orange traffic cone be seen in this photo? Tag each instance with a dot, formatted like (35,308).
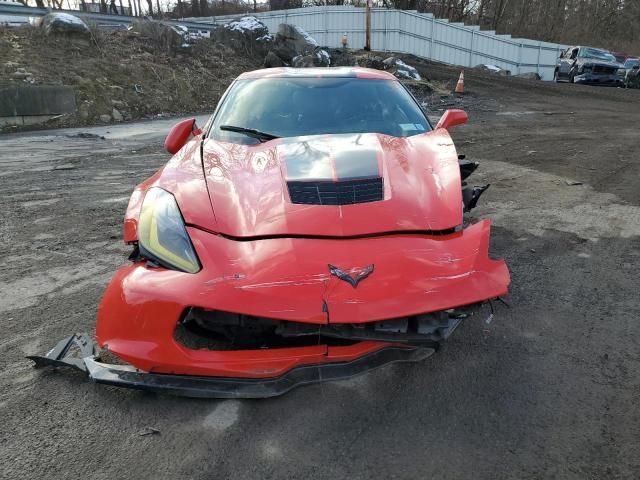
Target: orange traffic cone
(460,84)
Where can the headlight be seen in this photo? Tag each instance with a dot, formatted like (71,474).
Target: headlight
(622,71)
(162,235)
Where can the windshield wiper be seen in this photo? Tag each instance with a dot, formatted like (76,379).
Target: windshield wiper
(251,132)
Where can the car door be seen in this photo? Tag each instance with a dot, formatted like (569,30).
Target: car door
(564,65)
(568,62)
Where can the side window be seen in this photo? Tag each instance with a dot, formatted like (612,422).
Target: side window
(574,53)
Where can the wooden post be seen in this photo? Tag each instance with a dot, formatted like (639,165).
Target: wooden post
(367,45)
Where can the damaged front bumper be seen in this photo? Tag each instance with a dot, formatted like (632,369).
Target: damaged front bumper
(78,351)
(264,316)
(613,80)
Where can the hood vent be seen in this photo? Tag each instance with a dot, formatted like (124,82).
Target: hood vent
(346,192)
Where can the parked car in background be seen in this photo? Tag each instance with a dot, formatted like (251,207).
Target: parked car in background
(621,57)
(632,73)
(630,63)
(589,65)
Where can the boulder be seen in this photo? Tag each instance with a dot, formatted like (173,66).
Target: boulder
(341,57)
(372,61)
(246,33)
(55,23)
(493,69)
(273,61)
(401,69)
(168,37)
(318,59)
(292,40)
(530,76)
(295,47)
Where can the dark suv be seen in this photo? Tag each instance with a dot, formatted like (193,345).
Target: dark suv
(589,65)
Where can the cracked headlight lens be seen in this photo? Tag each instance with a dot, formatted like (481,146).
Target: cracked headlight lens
(162,235)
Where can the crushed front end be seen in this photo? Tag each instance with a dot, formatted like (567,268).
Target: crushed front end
(240,327)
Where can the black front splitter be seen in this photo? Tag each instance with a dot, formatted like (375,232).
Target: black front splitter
(219,387)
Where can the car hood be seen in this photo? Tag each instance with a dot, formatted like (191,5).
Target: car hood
(269,189)
(599,63)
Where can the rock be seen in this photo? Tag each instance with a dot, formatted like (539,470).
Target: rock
(20,74)
(493,69)
(341,57)
(401,69)
(116,87)
(117,116)
(295,47)
(105,118)
(372,61)
(118,103)
(273,61)
(246,33)
(530,76)
(65,24)
(318,59)
(294,39)
(167,37)
(83,111)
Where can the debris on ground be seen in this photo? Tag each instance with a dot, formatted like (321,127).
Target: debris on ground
(529,75)
(493,69)
(572,183)
(148,431)
(401,69)
(64,23)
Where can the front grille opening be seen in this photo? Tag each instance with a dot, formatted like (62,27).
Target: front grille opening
(216,330)
(347,192)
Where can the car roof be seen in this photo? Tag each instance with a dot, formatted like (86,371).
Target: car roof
(320,72)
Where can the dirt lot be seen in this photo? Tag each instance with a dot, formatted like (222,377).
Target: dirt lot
(549,389)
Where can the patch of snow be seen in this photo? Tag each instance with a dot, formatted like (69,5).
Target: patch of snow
(69,18)
(493,68)
(265,38)
(244,24)
(324,55)
(308,38)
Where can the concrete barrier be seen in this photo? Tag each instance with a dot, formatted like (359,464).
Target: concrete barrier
(32,104)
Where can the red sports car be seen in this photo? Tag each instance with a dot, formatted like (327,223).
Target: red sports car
(311,230)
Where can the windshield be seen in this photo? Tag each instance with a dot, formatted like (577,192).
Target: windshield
(596,54)
(632,63)
(290,107)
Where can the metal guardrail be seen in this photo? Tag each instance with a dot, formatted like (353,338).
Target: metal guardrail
(92,17)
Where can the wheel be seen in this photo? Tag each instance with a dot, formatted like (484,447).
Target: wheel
(555,76)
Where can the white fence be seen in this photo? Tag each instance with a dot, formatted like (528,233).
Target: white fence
(420,34)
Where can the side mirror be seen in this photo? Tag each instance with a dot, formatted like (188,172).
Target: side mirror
(180,134)
(451,118)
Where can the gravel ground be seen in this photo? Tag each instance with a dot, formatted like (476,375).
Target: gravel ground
(549,389)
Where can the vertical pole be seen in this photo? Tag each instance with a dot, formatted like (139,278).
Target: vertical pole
(433,26)
(367,45)
(471,49)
